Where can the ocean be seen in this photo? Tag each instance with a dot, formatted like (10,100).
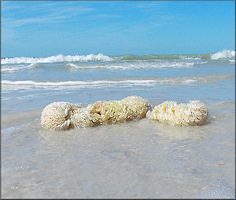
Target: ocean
(136,159)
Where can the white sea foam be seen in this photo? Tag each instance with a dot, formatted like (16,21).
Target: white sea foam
(100,57)
(78,83)
(120,65)
(223,54)
(16,128)
(190,57)
(57,58)
(12,68)
(189,81)
(135,65)
(182,80)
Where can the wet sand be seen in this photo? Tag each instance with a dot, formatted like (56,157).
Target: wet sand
(137,159)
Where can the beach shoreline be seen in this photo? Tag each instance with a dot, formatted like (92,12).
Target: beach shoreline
(140,158)
(113,157)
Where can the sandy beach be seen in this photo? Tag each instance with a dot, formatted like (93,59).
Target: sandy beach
(135,159)
(82,52)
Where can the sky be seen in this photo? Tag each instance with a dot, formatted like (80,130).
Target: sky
(47,28)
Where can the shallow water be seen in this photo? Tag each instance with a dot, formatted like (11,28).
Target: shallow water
(137,159)
(144,159)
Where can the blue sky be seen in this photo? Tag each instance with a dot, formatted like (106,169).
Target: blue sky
(46,28)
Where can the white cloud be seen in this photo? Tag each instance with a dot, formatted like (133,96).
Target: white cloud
(6,6)
(13,23)
(43,13)
(109,16)
(150,5)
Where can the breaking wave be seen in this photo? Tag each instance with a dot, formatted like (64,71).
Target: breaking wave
(225,54)
(118,65)
(134,65)
(12,68)
(57,58)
